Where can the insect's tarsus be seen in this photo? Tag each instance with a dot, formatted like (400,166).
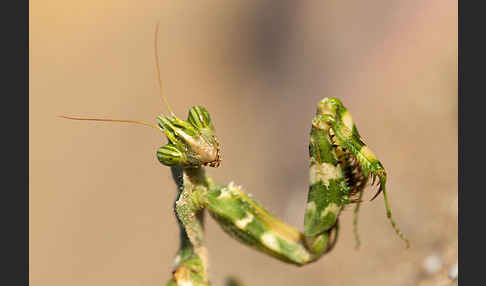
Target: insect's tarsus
(389,213)
(355,220)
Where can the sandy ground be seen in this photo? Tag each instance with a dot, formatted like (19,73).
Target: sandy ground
(101,203)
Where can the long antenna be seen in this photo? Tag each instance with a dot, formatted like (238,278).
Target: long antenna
(160,87)
(111,120)
(158,68)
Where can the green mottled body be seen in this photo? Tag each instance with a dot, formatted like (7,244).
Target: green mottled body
(340,167)
(246,220)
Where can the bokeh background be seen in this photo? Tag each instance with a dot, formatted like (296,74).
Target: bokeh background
(101,203)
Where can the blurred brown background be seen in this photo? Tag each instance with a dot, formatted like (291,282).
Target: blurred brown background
(101,203)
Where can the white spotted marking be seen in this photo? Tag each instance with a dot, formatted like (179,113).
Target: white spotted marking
(184,283)
(177,260)
(270,241)
(324,172)
(232,185)
(311,206)
(331,208)
(234,188)
(303,255)
(347,120)
(224,194)
(242,223)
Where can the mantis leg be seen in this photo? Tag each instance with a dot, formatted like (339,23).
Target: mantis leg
(247,221)
(347,137)
(190,264)
(340,166)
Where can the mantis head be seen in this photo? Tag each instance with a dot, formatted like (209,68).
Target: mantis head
(192,142)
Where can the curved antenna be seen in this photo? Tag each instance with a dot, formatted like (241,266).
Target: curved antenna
(111,120)
(157,65)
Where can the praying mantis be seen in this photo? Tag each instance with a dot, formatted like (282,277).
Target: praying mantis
(341,165)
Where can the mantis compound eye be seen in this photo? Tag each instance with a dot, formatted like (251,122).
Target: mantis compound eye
(199,118)
(169,155)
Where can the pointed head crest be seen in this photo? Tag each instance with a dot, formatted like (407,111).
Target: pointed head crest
(192,142)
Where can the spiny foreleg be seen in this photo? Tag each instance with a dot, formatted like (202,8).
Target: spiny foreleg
(345,135)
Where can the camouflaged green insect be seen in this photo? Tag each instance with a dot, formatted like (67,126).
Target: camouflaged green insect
(340,167)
